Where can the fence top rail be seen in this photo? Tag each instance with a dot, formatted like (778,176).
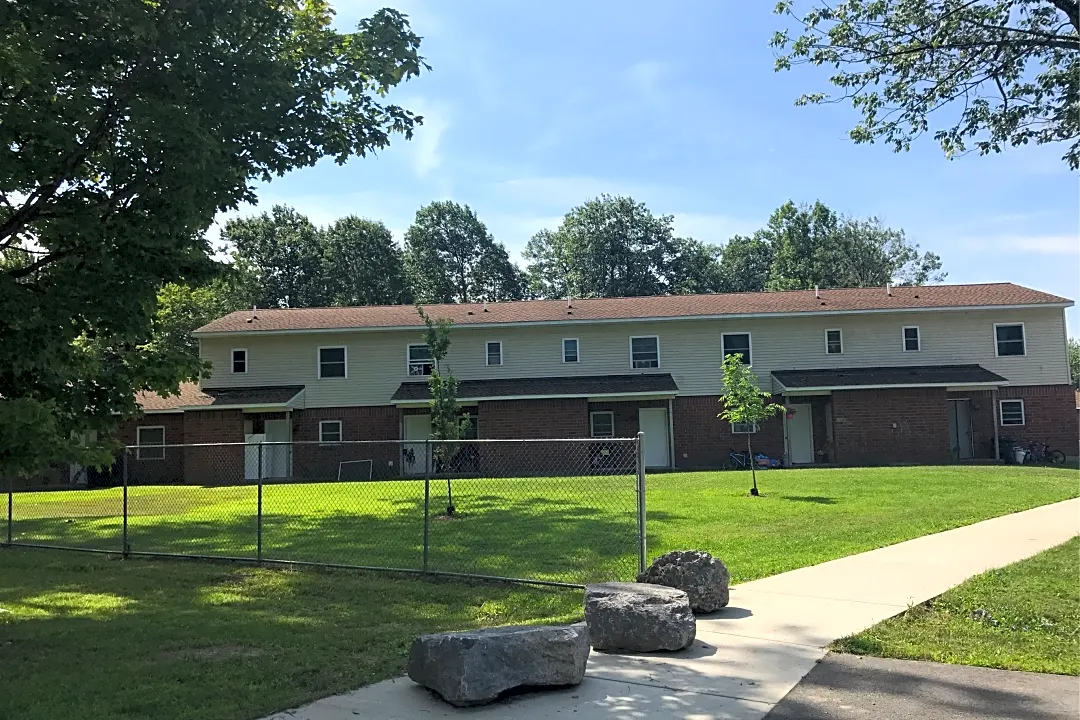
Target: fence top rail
(474,441)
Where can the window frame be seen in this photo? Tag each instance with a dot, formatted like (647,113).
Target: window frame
(409,360)
(344,361)
(1023,339)
(644,337)
(577,351)
(232,359)
(1001,412)
(749,346)
(592,424)
(340,432)
(754,427)
(487,353)
(841,333)
(918,337)
(140,445)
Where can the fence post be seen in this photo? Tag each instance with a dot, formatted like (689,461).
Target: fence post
(427,499)
(640,454)
(259,510)
(126,547)
(10,494)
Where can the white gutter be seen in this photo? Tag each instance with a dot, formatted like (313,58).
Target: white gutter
(609,321)
(823,388)
(653,395)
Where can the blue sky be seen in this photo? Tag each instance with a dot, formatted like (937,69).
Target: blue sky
(534,107)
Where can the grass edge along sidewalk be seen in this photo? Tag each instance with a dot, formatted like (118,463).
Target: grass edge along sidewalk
(1025,616)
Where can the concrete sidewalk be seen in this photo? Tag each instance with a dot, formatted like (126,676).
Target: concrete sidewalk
(748,656)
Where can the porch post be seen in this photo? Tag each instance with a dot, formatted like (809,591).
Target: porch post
(994,417)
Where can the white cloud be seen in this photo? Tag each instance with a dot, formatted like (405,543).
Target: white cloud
(711,227)
(1026,244)
(424,149)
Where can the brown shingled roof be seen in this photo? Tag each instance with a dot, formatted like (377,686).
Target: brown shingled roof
(191,396)
(666,306)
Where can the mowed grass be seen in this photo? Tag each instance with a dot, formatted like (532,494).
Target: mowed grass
(566,529)
(100,637)
(1022,617)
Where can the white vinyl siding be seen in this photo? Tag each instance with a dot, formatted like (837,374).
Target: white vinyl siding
(329,431)
(834,342)
(1011,412)
(602,424)
(494,352)
(692,351)
(912,339)
(146,437)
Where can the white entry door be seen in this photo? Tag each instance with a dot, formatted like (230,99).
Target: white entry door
(801,435)
(277,458)
(654,423)
(251,455)
(415,460)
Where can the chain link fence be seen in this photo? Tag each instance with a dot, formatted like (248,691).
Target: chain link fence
(545,511)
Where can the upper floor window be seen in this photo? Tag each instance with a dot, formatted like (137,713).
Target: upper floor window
(912,341)
(602,424)
(1012,412)
(494,353)
(329,431)
(1010,339)
(570,350)
(239,361)
(420,360)
(737,344)
(645,352)
(834,342)
(151,441)
(332,362)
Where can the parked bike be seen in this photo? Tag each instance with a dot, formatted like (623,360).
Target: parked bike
(1040,452)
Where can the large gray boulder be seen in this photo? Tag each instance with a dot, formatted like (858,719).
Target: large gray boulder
(701,576)
(473,667)
(636,617)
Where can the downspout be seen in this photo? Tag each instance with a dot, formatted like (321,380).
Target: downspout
(671,431)
(996,416)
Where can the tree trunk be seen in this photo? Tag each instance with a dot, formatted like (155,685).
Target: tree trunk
(753,465)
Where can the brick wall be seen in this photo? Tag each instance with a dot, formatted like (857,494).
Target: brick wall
(702,440)
(626,414)
(313,461)
(1049,416)
(513,419)
(874,427)
(169,469)
(214,465)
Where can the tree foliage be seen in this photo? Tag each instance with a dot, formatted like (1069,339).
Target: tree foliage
(1074,361)
(451,257)
(364,266)
(125,127)
(745,403)
(284,251)
(988,73)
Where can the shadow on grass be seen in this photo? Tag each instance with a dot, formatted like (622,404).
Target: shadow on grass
(817,499)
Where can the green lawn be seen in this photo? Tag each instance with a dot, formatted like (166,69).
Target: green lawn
(96,636)
(1022,617)
(568,529)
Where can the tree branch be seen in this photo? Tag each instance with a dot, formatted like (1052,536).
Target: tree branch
(1071,8)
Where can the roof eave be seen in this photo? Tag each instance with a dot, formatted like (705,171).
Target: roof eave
(891,386)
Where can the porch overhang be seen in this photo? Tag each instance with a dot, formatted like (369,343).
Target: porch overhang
(590,387)
(278,398)
(824,381)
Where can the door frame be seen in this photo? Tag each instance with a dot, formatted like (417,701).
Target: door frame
(953,422)
(411,444)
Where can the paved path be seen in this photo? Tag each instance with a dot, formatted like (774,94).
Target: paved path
(750,655)
(846,687)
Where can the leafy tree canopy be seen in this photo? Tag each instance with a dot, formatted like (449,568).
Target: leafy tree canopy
(364,265)
(987,73)
(125,126)
(285,253)
(744,403)
(451,257)
(1074,361)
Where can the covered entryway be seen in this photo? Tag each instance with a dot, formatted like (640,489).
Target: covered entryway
(267,460)
(414,454)
(800,434)
(960,429)
(653,421)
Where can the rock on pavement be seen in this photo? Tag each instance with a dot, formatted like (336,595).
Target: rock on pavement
(701,576)
(637,617)
(473,667)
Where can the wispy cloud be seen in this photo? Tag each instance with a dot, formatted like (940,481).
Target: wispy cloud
(647,77)
(1023,244)
(712,227)
(424,150)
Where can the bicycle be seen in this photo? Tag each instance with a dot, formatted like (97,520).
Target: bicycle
(738,460)
(1040,452)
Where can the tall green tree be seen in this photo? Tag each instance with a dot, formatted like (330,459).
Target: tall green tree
(1074,361)
(985,73)
(745,263)
(285,253)
(451,257)
(125,127)
(363,264)
(693,267)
